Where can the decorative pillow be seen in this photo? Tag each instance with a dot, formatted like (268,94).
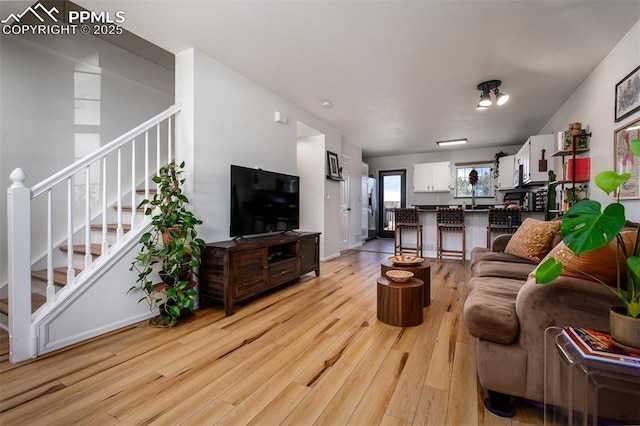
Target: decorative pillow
(532,240)
(600,263)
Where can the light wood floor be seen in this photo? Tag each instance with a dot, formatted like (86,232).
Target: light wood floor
(311,353)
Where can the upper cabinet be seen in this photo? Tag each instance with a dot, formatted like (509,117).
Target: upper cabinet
(531,162)
(432,177)
(505,172)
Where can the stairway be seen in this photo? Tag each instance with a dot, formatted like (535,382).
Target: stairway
(39,277)
(91,299)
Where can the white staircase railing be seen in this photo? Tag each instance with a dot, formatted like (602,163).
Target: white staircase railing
(71,201)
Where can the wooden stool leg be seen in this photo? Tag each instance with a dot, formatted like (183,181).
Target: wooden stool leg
(439,249)
(464,245)
(489,236)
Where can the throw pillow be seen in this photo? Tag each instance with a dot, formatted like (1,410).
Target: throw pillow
(532,240)
(599,263)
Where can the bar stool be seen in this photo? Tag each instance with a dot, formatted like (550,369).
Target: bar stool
(505,221)
(450,220)
(407,219)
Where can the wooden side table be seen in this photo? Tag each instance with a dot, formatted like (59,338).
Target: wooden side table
(422,271)
(400,304)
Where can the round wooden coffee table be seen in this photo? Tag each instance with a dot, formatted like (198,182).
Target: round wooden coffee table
(421,271)
(400,304)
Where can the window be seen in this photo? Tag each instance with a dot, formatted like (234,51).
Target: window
(484,187)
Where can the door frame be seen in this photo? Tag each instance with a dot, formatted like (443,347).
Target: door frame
(382,233)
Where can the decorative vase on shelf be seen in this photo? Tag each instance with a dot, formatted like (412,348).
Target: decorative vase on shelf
(625,329)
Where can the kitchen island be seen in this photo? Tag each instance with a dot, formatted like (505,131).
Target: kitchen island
(476,221)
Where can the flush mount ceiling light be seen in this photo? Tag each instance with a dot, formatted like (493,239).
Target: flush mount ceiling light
(486,88)
(327,104)
(452,142)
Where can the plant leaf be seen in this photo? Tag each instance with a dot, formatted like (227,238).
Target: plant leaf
(609,180)
(633,269)
(587,229)
(633,309)
(548,271)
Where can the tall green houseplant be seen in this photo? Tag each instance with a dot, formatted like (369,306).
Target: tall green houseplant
(173,243)
(587,227)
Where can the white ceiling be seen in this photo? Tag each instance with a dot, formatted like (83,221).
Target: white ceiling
(401,74)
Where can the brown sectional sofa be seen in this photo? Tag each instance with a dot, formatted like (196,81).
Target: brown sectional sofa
(509,313)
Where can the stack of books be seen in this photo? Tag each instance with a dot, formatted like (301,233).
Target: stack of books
(596,345)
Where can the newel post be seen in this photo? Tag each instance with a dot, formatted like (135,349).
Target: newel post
(19,248)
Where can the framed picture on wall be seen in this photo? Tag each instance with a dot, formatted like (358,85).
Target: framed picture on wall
(333,166)
(628,95)
(625,161)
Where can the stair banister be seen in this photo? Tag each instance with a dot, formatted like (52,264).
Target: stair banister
(89,159)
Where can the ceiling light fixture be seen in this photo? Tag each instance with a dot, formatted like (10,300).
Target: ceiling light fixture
(486,88)
(327,104)
(452,142)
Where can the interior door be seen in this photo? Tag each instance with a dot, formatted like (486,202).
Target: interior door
(345,201)
(392,195)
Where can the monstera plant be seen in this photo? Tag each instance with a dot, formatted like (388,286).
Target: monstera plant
(586,227)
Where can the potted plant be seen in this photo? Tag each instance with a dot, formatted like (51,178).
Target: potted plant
(173,243)
(586,227)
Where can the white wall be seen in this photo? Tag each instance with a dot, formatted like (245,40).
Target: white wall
(592,104)
(406,162)
(38,112)
(228,119)
(312,180)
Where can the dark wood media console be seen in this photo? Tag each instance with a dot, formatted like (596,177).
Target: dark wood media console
(235,271)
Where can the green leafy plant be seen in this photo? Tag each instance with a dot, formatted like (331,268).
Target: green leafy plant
(173,242)
(587,227)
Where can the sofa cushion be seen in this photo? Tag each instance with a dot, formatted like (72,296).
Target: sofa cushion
(499,269)
(599,263)
(533,239)
(483,254)
(490,309)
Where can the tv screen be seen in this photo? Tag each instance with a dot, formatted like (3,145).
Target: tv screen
(263,201)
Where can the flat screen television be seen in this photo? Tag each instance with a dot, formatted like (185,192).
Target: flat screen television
(263,202)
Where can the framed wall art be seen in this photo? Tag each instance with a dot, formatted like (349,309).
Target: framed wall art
(333,166)
(628,95)
(625,161)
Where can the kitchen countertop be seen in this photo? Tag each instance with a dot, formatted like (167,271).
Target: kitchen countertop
(468,209)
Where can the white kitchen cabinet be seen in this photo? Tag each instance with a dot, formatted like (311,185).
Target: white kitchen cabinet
(432,177)
(505,172)
(529,156)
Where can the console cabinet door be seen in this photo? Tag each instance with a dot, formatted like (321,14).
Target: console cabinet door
(249,272)
(309,256)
